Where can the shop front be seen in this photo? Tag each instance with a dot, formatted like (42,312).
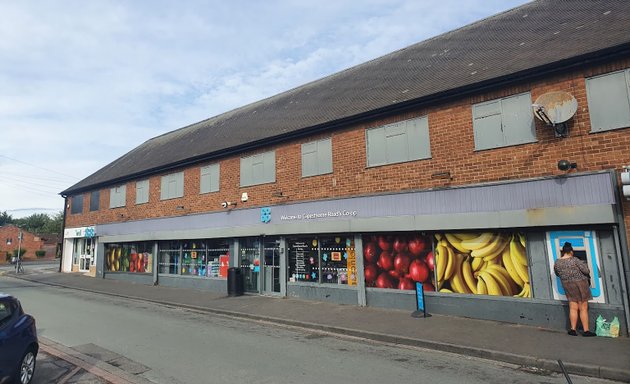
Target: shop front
(483,251)
(80,250)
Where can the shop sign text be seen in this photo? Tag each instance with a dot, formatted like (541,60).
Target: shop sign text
(319,215)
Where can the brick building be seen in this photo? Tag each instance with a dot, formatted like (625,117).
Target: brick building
(431,164)
(30,242)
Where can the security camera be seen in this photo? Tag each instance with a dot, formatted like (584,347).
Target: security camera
(244,197)
(224,204)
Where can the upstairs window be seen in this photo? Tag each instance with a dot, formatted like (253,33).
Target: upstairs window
(76,204)
(172,186)
(142,191)
(258,169)
(317,158)
(504,122)
(118,196)
(95,203)
(209,178)
(399,142)
(609,101)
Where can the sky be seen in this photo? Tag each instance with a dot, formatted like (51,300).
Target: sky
(84,82)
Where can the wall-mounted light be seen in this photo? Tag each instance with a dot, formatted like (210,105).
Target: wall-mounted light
(244,197)
(9,241)
(566,165)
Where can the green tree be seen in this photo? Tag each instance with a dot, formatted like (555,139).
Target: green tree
(34,223)
(5,218)
(41,223)
(55,224)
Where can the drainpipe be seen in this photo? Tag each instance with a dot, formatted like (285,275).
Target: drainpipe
(63,228)
(621,240)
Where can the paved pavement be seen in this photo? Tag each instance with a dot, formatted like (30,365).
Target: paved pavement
(517,344)
(58,364)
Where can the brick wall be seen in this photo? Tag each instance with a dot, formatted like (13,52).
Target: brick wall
(30,242)
(452,150)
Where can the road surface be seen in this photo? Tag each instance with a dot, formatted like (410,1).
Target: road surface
(172,345)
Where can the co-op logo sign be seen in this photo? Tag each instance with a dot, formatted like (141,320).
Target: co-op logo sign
(265,215)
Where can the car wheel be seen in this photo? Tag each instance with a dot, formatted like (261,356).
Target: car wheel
(26,368)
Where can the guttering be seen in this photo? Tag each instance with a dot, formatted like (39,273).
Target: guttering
(592,58)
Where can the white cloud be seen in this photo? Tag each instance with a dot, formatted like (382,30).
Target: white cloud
(83,82)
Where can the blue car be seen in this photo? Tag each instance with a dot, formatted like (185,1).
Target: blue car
(18,342)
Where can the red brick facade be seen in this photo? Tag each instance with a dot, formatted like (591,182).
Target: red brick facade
(452,150)
(30,242)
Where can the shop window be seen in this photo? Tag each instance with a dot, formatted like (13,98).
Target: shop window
(134,257)
(334,252)
(303,259)
(142,191)
(169,253)
(609,101)
(76,204)
(398,142)
(258,169)
(323,259)
(217,258)
(77,250)
(118,196)
(504,122)
(172,186)
(201,258)
(95,202)
(209,178)
(317,157)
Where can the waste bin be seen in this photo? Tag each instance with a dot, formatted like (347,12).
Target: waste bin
(235,283)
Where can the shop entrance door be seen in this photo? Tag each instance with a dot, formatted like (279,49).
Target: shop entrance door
(86,257)
(259,260)
(271,265)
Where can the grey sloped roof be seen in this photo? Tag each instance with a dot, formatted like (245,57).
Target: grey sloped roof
(537,35)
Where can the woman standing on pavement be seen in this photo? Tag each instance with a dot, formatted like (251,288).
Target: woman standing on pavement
(574,276)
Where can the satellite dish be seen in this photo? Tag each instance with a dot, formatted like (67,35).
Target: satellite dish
(555,109)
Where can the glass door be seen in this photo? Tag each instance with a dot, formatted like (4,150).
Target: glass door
(271,265)
(249,260)
(86,257)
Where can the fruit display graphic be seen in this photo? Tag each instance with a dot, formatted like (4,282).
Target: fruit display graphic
(126,259)
(485,263)
(397,261)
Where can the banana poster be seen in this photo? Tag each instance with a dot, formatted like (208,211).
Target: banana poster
(487,263)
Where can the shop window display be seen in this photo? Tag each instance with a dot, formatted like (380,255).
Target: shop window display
(323,259)
(201,258)
(303,259)
(129,257)
(169,256)
(217,258)
(334,252)
(193,258)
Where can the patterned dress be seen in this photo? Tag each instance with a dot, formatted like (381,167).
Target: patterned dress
(574,276)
